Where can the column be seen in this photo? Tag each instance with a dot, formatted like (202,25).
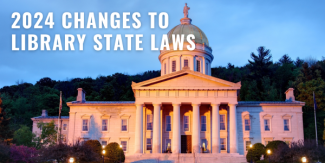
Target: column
(215,128)
(156,129)
(233,128)
(194,63)
(139,129)
(196,129)
(203,66)
(176,144)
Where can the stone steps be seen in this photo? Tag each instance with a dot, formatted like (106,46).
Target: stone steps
(187,158)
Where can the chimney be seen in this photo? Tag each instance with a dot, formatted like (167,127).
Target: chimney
(81,95)
(44,113)
(290,97)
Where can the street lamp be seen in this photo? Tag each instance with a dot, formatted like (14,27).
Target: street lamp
(71,159)
(251,146)
(269,153)
(304,159)
(121,154)
(103,153)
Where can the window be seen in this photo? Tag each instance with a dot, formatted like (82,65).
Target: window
(149,144)
(222,122)
(204,144)
(186,123)
(223,144)
(247,145)
(65,127)
(104,124)
(124,125)
(286,125)
(149,121)
(168,123)
(168,145)
(185,62)
(85,125)
(173,66)
(266,125)
(124,145)
(104,142)
(203,123)
(165,68)
(247,124)
(198,66)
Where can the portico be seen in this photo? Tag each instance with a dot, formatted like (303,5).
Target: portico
(191,106)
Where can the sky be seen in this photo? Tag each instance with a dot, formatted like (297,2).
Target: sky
(234,28)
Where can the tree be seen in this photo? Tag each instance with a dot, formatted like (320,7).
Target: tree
(255,152)
(285,59)
(4,152)
(5,131)
(114,153)
(49,133)
(24,136)
(259,66)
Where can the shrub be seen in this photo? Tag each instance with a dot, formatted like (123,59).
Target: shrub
(273,145)
(307,148)
(262,161)
(62,152)
(94,145)
(4,152)
(23,154)
(255,152)
(114,153)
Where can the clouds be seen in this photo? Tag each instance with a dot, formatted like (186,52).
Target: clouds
(234,28)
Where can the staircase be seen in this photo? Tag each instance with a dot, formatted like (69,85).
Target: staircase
(187,158)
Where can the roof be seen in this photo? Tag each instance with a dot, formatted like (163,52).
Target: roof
(101,103)
(266,103)
(51,117)
(149,84)
(187,29)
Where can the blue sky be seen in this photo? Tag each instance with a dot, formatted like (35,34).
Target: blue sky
(234,28)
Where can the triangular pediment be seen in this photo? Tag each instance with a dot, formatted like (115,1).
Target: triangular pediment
(186,79)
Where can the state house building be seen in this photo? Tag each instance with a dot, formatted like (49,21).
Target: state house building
(185,110)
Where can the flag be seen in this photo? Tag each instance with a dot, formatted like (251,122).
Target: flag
(315,105)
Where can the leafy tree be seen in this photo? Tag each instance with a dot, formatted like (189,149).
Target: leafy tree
(24,136)
(5,131)
(114,153)
(255,153)
(49,133)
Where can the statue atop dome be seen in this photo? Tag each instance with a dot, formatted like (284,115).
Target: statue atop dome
(185,10)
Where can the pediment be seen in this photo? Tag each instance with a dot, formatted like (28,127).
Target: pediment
(187,79)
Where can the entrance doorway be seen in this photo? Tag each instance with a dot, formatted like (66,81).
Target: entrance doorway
(186,143)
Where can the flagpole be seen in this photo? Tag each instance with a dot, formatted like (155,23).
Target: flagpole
(59,118)
(315,106)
